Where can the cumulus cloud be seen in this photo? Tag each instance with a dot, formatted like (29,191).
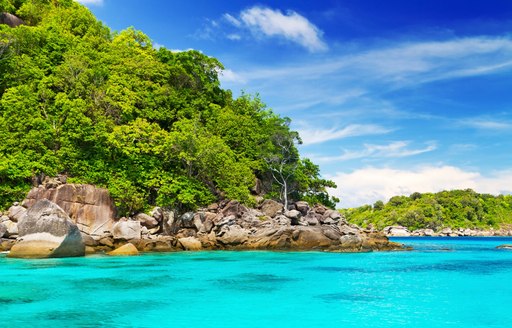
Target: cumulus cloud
(264,22)
(228,75)
(367,185)
(91,2)
(315,136)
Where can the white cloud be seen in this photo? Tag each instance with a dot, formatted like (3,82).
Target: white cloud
(396,149)
(315,136)
(232,20)
(266,22)
(228,75)
(91,2)
(487,124)
(367,185)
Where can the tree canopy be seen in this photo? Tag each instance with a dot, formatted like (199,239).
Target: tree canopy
(152,125)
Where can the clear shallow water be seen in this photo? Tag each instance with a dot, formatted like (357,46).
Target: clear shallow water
(458,282)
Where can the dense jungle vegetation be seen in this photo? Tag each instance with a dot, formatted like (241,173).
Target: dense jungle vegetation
(152,125)
(454,209)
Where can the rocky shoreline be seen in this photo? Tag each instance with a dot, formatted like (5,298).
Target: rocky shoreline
(227,225)
(400,231)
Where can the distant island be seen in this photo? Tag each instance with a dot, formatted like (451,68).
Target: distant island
(455,209)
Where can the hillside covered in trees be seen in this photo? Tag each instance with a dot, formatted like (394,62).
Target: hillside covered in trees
(152,125)
(454,209)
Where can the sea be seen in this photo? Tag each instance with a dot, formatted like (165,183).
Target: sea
(444,282)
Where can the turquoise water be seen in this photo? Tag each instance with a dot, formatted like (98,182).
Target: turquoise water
(459,282)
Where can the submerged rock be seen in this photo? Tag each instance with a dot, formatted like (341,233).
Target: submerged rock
(46,231)
(505,246)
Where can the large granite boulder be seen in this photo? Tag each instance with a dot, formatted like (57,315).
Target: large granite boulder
(46,231)
(271,208)
(126,229)
(16,212)
(91,208)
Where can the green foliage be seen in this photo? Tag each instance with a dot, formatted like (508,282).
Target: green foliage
(153,126)
(454,209)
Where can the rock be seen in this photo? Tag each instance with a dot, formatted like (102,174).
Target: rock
(332,214)
(312,218)
(88,240)
(271,208)
(10,20)
(213,207)
(157,213)
(310,238)
(47,231)
(293,214)
(16,212)
(320,209)
(90,250)
(505,246)
(3,230)
(91,208)
(106,241)
(233,235)
(302,207)
(233,208)
(125,250)
(190,243)
(396,231)
(12,229)
(446,232)
(169,223)
(146,220)
(127,230)
(186,220)
(345,229)
(353,242)
(6,244)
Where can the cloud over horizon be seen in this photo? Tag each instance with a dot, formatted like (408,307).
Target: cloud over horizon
(367,185)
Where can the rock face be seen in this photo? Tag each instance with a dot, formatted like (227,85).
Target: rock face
(10,19)
(223,225)
(91,208)
(47,231)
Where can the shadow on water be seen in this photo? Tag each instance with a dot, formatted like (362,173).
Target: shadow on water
(479,267)
(253,282)
(347,297)
(117,283)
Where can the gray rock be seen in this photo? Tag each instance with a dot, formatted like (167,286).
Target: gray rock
(271,208)
(302,207)
(16,212)
(312,218)
(3,230)
(505,246)
(293,214)
(12,229)
(126,229)
(146,220)
(47,231)
(186,220)
(88,240)
(233,235)
(157,213)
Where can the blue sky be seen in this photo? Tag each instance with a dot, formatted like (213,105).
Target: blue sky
(389,97)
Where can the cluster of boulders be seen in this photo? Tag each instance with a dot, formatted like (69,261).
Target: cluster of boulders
(400,231)
(55,212)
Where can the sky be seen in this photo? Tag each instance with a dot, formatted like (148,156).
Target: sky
(389,97)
